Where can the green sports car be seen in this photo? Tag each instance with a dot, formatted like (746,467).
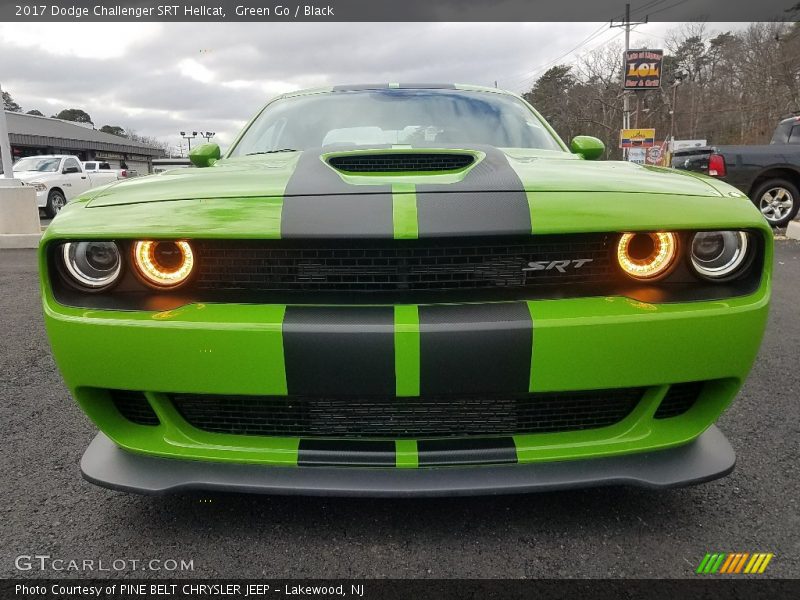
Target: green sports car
(406,290)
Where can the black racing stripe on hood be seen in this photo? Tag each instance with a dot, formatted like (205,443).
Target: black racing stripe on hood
(475,348)
(490,200)
(357,215)
(319,203)
(339,350)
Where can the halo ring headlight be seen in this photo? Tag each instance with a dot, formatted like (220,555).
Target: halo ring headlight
(163,264)
(647,256)
(719,255)
(92,265)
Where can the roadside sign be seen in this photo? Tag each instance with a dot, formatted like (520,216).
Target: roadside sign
(657,154)
(636,138)
(643,69)
(637,155)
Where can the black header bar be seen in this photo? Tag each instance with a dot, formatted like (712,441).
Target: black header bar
(393,10)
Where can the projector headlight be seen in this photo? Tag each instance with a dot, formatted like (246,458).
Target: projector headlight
(92,265)
(719,255)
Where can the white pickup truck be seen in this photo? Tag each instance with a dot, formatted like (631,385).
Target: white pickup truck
(101,167)
(58,178)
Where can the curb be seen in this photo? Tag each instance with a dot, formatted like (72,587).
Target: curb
(793,230)
(10,241)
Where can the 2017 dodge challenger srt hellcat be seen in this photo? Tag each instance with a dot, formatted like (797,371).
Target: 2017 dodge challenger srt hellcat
(406,290)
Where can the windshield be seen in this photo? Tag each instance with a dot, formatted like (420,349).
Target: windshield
(45,165)
(395,116)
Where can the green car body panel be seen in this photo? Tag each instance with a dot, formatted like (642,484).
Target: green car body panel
(241,348)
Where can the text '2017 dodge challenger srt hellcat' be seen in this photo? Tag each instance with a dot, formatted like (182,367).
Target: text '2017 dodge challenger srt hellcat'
(406,290)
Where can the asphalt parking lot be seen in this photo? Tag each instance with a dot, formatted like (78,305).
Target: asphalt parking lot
(46,508)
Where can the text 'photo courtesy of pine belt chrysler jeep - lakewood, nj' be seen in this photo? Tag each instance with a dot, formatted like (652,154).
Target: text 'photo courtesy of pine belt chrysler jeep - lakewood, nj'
(406,290)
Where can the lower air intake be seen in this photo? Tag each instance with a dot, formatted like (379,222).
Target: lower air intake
(134,407)
(679,399)
(431,416)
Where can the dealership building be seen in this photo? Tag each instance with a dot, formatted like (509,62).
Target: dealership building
(30,135)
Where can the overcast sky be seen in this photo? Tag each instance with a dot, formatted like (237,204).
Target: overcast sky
(158,79)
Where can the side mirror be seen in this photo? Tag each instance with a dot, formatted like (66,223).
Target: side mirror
(587,146)
(68,170)
(205,155)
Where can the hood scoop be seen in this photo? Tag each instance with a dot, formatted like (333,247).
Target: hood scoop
(401,162)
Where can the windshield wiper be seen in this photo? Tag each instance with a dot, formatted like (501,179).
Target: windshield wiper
(272,151)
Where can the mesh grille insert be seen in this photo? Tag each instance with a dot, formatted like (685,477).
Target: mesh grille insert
(134,407)
(679,398)
(433,416)
(412,161)
(405,266)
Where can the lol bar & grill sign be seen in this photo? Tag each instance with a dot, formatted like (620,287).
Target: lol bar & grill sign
(643,69)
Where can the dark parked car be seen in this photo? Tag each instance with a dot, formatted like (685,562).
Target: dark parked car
(768,174)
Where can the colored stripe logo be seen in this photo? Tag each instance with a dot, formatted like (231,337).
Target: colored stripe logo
(734,563)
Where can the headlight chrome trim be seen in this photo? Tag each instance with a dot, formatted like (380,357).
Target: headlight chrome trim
(732,266)
(78,277)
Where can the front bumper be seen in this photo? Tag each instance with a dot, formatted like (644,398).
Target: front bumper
(709,457)
(250,350)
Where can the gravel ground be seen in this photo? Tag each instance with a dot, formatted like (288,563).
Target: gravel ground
(46,508)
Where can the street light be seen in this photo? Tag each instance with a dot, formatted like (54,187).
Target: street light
(208,135)
(189,138)
(677,80)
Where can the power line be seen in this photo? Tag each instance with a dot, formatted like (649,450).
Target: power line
(527,74)
(530,75)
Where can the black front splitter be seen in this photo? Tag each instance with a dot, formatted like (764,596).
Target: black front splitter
(708,457)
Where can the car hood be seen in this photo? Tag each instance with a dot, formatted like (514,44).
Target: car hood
(294,195)
(306,173)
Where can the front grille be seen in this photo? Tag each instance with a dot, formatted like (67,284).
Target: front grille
(134,407)
(679,398)
(433,416)
(404,266)
(388,163)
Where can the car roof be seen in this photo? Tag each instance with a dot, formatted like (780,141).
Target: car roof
(396,86)
(46,156)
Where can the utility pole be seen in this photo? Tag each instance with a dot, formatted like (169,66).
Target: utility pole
(626,23)
(626,114)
